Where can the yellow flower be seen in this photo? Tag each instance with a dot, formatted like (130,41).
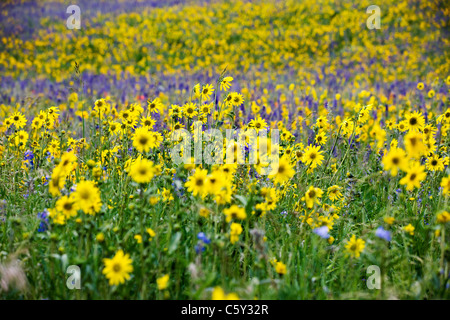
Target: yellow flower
(234,212)
(312,196)
(415,174)
(100,237)
(215,182)
(206,92)
(258,124)
(153,200)
(148,122)
(235,231)
(219,294)
(142,139)
(138,238)
(236,99)
(434,163)
(163,282)
(415,121)
(389,220)
(443,217)
(334,193)
(118,269)
(18,119)
(331,240)
(355,246)
(21,138)
(280,268)
(68,162)
(87,197)
(321,138)
(67,206)
(445,184)
(409,229)
(225,84)
(167,195)
(151,233)
(155,105)
(284,172)
(204,212)
(197,182)
(190,109)
(142,171)
(414,144)
(395,160)
(312,156)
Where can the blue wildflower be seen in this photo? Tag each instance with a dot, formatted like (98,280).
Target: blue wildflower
(43,216)
(322,232)
(201,236)
(383,234)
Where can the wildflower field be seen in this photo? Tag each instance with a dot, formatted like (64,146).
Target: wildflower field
(224,150)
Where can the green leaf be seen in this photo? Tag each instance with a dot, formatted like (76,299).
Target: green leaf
(174,242)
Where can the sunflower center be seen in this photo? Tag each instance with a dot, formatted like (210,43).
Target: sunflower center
(67,206)
(412,177)
(143,140)
(84,194)
(413,121)
(117,267)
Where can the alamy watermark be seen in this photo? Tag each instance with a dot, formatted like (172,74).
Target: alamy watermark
(74,280)
(374,280)
(373,21)
(74,21)
(210,147)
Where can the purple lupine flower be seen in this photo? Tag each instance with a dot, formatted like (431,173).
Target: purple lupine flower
(383,234)
(199,247)
(322,232)
(43,216)
(201,236)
